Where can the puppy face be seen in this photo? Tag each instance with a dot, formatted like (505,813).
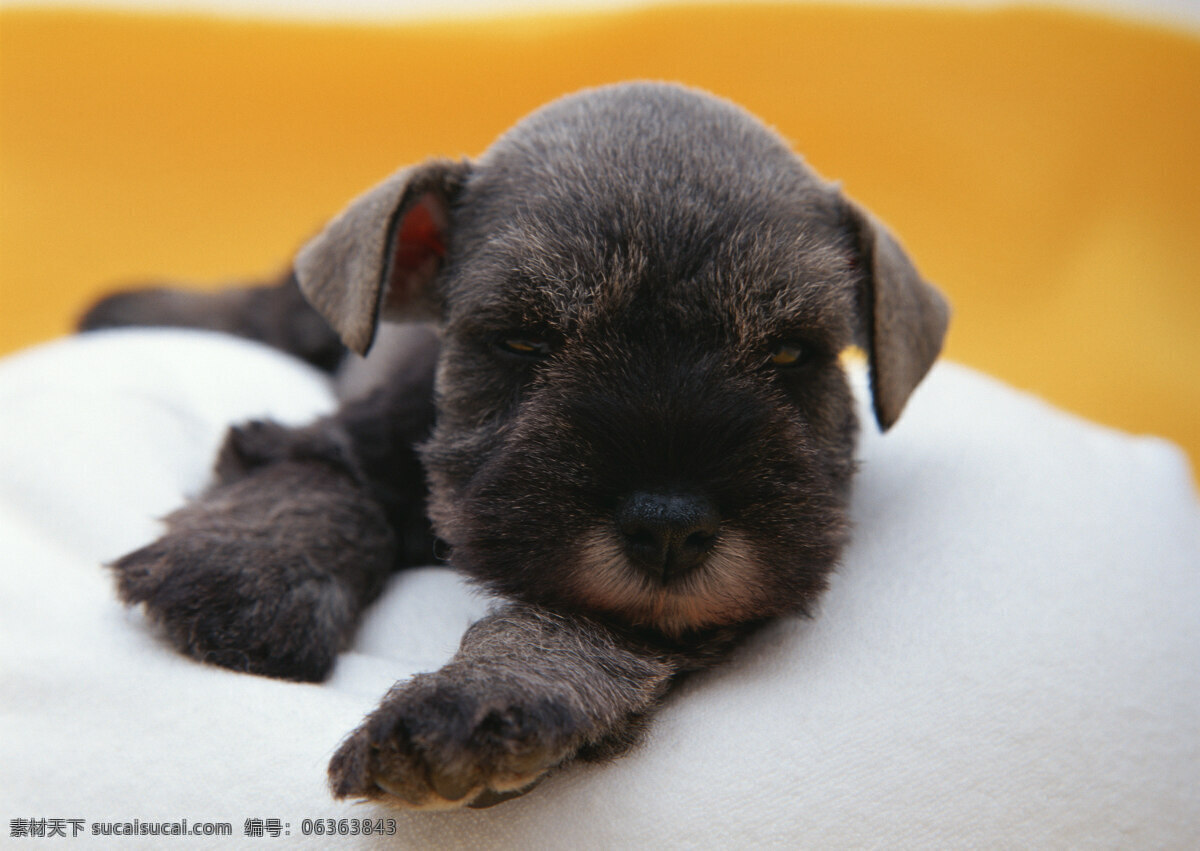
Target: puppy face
(644,294)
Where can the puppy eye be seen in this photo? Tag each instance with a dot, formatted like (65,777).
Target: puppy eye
(526,347)
(788,354)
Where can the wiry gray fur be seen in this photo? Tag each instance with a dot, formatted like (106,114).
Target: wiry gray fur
(634,423)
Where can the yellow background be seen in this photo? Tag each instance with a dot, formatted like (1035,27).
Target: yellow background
(1043,168)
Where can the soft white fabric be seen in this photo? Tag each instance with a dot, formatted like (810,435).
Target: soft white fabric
(1008,657)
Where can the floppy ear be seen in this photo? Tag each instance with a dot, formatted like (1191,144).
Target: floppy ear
(377,259)
(903,319)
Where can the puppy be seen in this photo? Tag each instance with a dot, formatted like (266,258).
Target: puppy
(632,423)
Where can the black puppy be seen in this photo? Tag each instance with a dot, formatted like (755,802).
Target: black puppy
(633,423)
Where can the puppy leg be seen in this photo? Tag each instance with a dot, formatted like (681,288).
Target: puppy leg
(269,570)
(528,691)
(267,574)
(276,314)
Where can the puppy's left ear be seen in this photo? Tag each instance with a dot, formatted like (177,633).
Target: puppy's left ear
(379,257)
(903,319)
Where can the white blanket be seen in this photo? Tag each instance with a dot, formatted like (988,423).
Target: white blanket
(1009,655)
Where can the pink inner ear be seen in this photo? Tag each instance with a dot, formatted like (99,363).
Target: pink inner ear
(419,249)
(420,235)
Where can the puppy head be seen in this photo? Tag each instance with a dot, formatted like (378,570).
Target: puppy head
(644,294)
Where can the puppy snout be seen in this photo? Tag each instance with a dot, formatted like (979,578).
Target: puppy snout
(667,534)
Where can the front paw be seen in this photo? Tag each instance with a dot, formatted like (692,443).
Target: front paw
(441,741)
(228,602)
(267,575)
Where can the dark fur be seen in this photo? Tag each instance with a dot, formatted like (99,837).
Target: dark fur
(657,246)
(277,315)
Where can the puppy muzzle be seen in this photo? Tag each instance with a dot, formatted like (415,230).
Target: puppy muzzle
(667,533)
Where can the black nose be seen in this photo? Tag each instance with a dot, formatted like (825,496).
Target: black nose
(667,533)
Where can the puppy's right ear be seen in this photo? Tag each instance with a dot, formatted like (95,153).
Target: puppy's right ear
(903,318)
(378,258)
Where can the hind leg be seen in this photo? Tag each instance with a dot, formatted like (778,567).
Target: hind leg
(276,314)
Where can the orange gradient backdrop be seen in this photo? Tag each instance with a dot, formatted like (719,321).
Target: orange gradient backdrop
(1043,168)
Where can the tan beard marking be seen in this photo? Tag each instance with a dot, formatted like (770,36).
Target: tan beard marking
(724,589)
